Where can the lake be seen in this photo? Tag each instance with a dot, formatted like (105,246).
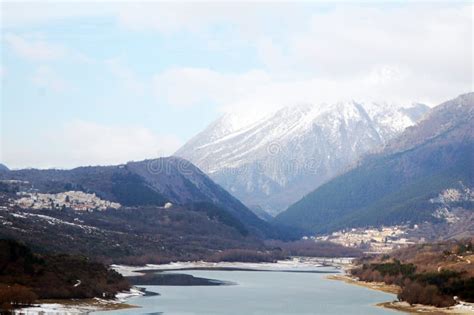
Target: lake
(260,292)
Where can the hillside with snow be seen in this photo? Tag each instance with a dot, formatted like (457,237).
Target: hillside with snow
(271,161)
(425,175)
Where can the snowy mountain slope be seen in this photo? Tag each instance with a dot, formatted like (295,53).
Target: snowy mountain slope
(407,182)
(274,160)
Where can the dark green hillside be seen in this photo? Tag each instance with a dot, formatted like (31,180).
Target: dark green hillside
(132,235)
(131,190)
(395,187)
(379,193)
(147,183)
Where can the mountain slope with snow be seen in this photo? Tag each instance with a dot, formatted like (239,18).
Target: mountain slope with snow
(425,174)
(274,160)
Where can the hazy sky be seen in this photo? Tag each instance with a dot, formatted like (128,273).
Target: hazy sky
(87,83)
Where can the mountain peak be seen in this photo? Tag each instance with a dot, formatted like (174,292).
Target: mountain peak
(442,118)
(272,161)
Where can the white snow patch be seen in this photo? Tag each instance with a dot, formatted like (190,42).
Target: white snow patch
(123,296)
(294,264)
(56,309)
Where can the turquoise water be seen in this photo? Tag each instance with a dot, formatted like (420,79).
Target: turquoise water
(260,292)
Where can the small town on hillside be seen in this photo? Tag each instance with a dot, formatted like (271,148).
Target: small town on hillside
(76,200)
(371,240)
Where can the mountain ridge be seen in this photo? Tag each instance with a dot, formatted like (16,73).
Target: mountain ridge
(395,185)
(145,183)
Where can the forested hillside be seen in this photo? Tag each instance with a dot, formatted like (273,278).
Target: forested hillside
(144,183)
(26,276)
(396,185)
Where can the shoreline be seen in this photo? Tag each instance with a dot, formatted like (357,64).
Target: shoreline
(461,309)
(378,286)
(294,264)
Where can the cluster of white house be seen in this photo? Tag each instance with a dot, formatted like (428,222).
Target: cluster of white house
(76,200)
(378,240)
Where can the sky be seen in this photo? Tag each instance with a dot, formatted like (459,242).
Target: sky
(98,83)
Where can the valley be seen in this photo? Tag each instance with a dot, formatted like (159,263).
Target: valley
(249,157)
(415,187)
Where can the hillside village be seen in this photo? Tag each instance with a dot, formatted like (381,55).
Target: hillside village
(76,200)
(371,240)
(386,238)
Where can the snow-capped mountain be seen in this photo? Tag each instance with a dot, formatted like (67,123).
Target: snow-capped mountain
(274,160)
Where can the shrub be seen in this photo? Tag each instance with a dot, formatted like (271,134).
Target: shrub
(15,296)
(417,293)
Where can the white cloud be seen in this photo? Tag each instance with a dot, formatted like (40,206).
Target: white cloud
(300,41)
(395,53)
(193,86)
(126,75)
(435,41)
(259,90)
(406,53)
(32,13)
(197,17)
(87,143)
(34,49)
(47,78)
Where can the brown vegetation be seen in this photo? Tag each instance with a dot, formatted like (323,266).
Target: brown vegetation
(13,296)
(417,293)
(246,255)
(430,274)
(310,248)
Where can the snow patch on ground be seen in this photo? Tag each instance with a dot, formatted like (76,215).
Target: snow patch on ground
(123,296)
(80,307)
(294,264)
(52,221)
(56,309)
(464,306)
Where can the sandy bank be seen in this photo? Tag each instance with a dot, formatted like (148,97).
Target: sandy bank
(380,286)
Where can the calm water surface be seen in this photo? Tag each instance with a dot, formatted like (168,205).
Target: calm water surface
(261,292)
